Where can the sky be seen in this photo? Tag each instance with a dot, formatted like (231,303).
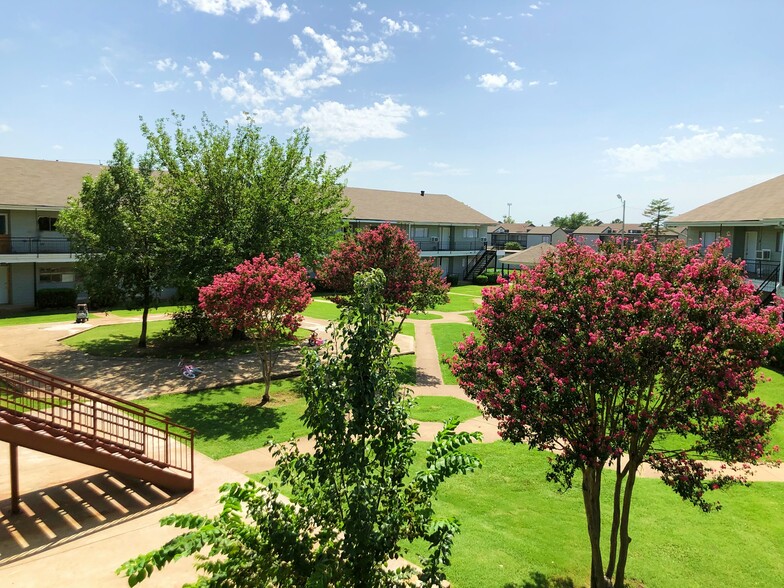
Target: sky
(536,109)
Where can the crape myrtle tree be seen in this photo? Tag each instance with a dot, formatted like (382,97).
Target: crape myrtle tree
(262,298)
(237,193)
(118,228)
(354,500)
(413,284)
(596,356)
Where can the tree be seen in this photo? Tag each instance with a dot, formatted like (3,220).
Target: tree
(262,298)
(658,210)
(237,194)
(574,221)
(354,500)
(598,356)
(117,227)
(508,219)
(413,284)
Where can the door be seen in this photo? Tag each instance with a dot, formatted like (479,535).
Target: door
(5,240)
(443,239)
(750,253)
(4,284)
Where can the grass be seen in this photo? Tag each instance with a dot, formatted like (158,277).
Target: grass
(229,421)
(424,316)
(405,369)
(321,308)
(37,317)
(446,335)
(458,303)
(440,408)
(124,312)
(516,526)
(121,340)
(471,290)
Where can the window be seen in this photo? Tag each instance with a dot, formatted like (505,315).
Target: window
(47,223)
(3,224)
(707,237)
(420,232)
(470,233)
(56,275)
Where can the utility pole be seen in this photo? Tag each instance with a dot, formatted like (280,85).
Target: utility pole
(623,218)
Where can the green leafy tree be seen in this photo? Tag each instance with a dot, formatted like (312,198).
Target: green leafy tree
(353,501)
(508,219)
(623,357)
(118,227)
(573,221)
(237,193)
(657,211)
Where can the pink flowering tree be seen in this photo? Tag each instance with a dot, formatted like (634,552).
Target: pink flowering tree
(262,298)
(624,357)
(413,283)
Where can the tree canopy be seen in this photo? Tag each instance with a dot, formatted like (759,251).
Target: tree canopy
(622,357)
(236,193)
(118,227)
(657,211)
(574,220)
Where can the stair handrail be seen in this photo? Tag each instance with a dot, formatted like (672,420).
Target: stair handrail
(95,414)
(774,274)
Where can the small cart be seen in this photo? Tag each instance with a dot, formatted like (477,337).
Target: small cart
(82,315)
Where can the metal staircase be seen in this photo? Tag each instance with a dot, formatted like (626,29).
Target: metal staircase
(479,263)
(59,417)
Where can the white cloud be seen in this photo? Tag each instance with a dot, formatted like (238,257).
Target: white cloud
(392,27)
(515,85)
(702,145)
(374,165)
(167,86)
(501,171)
(263,8)
(534,83)
(57,147)
(204,67)
(4,128)
(513,66)
(217,55)
(552,83)
(167,64)
(337,122)
(421,112)
(256,56)
(134,84)
(199,85)
(359,7)
(492,82)
(757,121)
(439,168)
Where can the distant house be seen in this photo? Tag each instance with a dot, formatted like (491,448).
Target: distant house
(525,234)
(527,258)
(445,229)
(753,221)
(593,235)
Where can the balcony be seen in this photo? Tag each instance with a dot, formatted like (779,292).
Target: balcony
(429,244)
(761,269)
(34,245)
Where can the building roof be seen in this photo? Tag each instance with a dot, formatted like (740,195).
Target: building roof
(528,257)
(549,230)
(759,203)
(512,227)
(32,183)
(608,229)
(412,207)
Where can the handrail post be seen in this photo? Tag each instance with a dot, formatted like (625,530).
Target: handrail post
(166,443)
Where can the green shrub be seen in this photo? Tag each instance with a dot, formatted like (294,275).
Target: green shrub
(512,246)
(480,280)
(453,279)
(492,277)
(191,324)
(56,298)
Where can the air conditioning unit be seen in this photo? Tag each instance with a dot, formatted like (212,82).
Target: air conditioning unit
(434,239)
(763,254)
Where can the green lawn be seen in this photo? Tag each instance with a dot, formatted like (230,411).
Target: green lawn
(515,524)
(121,340)
(320,308)
(440,408)
(37,317)
(405,368)
(124,312)
(424,316)
(458,303)
(468,290)
(446,335)
(229,421)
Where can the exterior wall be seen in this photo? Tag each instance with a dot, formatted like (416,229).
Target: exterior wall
(23,284)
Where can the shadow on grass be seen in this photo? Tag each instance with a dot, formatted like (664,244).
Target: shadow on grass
(539,580)
(406,374)
(228,419)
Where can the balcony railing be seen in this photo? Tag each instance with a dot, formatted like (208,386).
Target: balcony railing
(760,269)
(33,245)
(445,245)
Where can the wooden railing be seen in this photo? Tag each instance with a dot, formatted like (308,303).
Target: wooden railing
(83,413)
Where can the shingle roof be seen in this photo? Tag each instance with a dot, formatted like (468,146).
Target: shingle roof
(542,230)
(512,227)
(530,256)
(607,228)
(412,207)
(761,202)
(40,183)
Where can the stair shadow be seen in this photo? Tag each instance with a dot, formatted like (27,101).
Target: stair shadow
(69,511)
(539,580)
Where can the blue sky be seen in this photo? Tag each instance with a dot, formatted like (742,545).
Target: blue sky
(551,106)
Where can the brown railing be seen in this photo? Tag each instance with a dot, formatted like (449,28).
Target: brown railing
(85,414)
(34,245)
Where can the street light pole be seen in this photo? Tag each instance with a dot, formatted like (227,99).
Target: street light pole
(508,210)
(623,218)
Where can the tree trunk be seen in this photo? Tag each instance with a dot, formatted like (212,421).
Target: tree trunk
(592,483)
(616,519)
(143,336)
(620,572)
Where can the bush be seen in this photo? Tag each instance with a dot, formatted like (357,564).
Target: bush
(512,246)
(480,280)
(492,277)
(453,279)
(56,298)
(192,324)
